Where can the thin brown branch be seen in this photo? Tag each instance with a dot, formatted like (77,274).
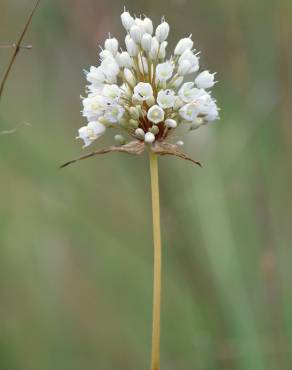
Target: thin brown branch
(18,47)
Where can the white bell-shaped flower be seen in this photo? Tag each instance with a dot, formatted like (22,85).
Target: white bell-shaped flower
(205,80)
(143,91)
(154,50)
(105,54)
(166,98)
(96,76)
(94,106)
(184,68)
(127,20)
(148,25)
(189,56)
(164,71)
(189,112)
(114,113)
(112,92)
(189,93)
(146,42)
(124,60)
(91,132)
(162,32)
(111,45)
(137,33)
(183,45)
(110,67)
(155,114)
(131,46)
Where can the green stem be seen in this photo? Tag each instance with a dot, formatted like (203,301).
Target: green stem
(155,361)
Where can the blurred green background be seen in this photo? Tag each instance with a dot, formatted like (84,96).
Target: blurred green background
(76,245)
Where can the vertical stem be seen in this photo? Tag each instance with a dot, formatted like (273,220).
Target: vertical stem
(155,361)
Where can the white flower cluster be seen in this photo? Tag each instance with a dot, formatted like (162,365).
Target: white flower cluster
(142,93)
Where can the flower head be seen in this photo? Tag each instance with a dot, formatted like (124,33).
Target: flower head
(142,92)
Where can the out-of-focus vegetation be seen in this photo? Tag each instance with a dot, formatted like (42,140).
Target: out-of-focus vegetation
(76,244)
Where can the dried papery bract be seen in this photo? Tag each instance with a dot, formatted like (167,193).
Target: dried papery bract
(144,97)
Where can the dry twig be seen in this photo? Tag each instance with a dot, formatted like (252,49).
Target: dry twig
(17,47)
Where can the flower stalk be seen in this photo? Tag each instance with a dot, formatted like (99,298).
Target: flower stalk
(146,95)
(155,360)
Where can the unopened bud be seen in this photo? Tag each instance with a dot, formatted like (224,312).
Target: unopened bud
(119,139)
(134,112)
(140,133)
(154,129)
(133,123)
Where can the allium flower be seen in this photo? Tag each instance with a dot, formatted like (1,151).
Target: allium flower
(155,114)
(145,95)
(143,91)
(146,89)
(166,98)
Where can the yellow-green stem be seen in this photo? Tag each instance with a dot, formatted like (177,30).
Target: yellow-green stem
(155,361)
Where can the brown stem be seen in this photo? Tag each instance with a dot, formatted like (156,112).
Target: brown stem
(17,48)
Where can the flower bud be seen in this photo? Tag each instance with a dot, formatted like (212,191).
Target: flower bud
(133,123)
(119,139)
(134,112)
(183,45)
(154,129)
(127,20)
(131,46)
(149,138)
(170,123)
(111,45)
(162,32)
(148,25)
(154,48)
(136,33)
(146,42)
(140,133)
(105,54)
